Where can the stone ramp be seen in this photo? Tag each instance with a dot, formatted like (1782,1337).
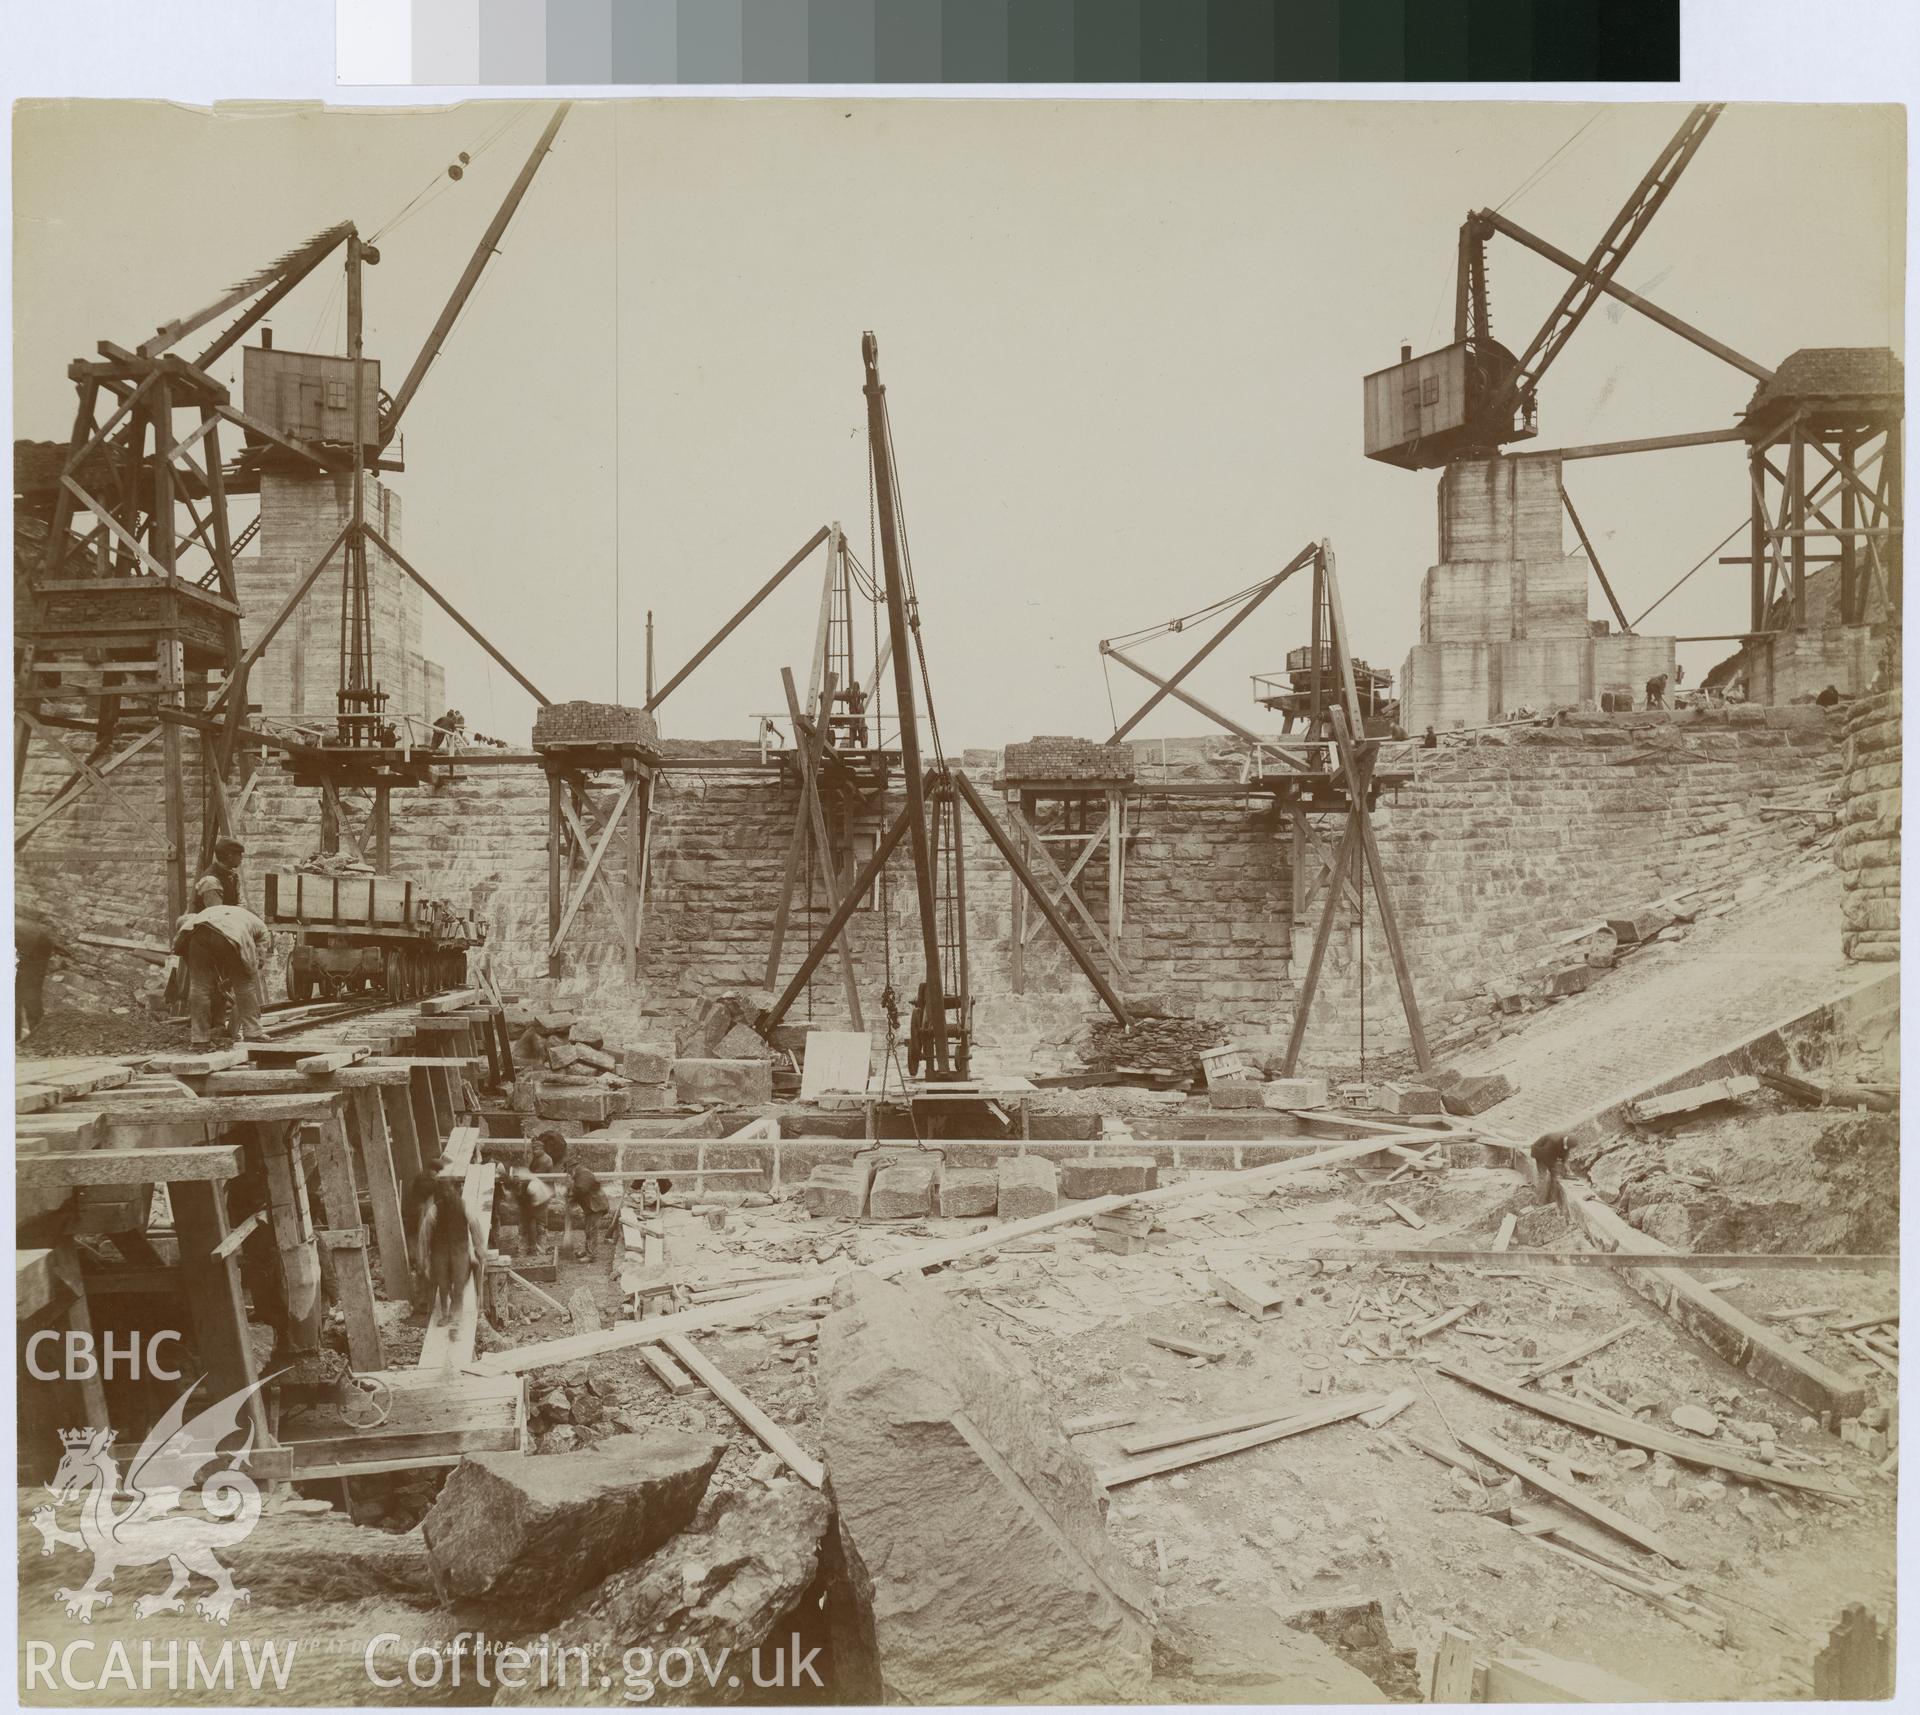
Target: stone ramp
(1659,1015)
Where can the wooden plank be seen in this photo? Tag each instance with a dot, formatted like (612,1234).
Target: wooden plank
(128,1166)
(333,1060)
(1738,1338)
(802,1463)
(61,1128)
(1528,1676)
(1094,1422)
(195,1065)
(1586,1349)
(525,1284)
(1631,1432)
(211,1281)
(837,1062)
(1625,1263)
(672,1376)
(1505,1236)
(1199,1452)
(522,1358)
(463,1143)
(371,1075)
(231,1244)
(1179,1434)
(1451,1678)
(140,1108)
(1403,1212)
(35,1287)
(367,1117)
(1186,1348)
(353,1279)
(1498,1453)
(1397,1402)
(1689,1100)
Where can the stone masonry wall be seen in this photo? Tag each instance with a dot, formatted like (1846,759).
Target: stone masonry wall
(1500,844)
(1868,848)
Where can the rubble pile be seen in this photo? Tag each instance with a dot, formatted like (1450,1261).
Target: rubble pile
(1161,1044)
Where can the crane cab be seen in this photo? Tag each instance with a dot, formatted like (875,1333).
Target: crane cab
(1427,412)
(308,395)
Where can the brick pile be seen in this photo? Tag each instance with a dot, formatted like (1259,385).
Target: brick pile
(580,722)
(1868,848)
(1058,758)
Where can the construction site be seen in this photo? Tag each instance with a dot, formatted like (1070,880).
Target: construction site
(1390,1196)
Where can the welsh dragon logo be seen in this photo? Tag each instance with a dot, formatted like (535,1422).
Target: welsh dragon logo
(152,1527)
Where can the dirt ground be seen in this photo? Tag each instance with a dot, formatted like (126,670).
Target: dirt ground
(1345,1515)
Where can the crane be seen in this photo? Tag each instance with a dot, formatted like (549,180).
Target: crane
(1475,395)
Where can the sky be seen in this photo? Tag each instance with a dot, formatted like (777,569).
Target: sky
(1123,345)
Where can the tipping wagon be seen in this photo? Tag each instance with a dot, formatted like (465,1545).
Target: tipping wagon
(358,933)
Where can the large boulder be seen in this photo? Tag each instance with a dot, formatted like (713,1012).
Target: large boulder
(1242,1652)
(719,1590)
(970,1536)
(525,1535)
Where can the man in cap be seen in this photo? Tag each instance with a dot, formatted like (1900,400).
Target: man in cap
(220,885)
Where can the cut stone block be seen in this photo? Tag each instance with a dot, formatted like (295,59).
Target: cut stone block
(1108,1176)
(561,1102)
(598,1059)
(1575,979)
(585,1035)
(649,1063)
(1294,1093)
(526,1535)
(1029,1185)
(1474,1094)
(1410,1099)
(964,1513)
(1234,1094)
(645,1098)
(838,1189)
(902,1190)
(968,1191)
(706,1083)
(561,1054)
(1642,926)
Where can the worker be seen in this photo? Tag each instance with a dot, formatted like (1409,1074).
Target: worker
(1549,1154)
(1828,697)
(227,950)
(585,1193)
(526,1199)
(1657,691)
(452,1248)
(917,1041)
(33,950)
(220,885)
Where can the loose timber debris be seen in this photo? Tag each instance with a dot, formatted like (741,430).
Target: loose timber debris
(1631,1432)
(1581,1352)
(802,1463)
(1569,1495)
(1187,1348)
(1198,1452)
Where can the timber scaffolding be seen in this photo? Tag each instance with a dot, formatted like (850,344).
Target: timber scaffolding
(284,1165)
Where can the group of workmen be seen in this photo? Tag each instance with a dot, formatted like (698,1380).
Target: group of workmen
(450,1242)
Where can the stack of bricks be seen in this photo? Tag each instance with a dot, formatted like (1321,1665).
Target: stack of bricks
(581,722)
(1073,759)
(1868,849)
